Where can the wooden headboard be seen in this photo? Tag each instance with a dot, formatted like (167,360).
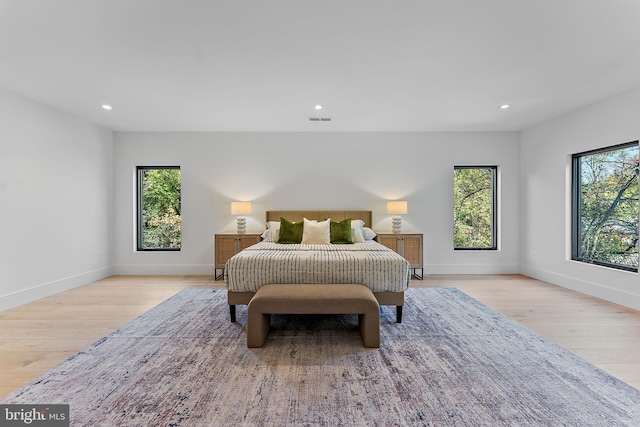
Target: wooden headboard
(320,215)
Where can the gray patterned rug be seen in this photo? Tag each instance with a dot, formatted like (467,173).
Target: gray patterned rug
(452,362)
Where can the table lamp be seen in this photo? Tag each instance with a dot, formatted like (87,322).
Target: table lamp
(397,208)
(241,208)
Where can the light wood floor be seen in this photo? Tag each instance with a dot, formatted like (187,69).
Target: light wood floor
(39,335)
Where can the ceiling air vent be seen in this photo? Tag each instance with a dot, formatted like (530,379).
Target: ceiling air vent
(320,119)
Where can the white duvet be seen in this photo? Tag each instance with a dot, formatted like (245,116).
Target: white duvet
(370,264)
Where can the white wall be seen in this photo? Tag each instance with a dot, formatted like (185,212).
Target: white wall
(55,201)
(66,193)
(315,171)
(546,153)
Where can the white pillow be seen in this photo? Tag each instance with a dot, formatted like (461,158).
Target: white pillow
(273,231)
(273,225)
(368,233)
(357,230)
(316,232)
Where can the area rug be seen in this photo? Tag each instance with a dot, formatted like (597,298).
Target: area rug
(452,362)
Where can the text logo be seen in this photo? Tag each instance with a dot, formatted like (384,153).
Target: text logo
(34,415)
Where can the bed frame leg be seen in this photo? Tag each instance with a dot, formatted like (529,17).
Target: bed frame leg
(398,314)
(232,312)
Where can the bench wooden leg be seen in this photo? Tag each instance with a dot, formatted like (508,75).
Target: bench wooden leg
(398,314)
(370,329)
(258,325)
(232,313)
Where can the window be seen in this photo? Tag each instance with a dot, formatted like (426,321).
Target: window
(158,211)
(605,207)
(474,207)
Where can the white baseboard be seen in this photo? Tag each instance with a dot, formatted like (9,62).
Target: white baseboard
(471,269)
(583,286)
(207,269)
(33,293)
(164,270)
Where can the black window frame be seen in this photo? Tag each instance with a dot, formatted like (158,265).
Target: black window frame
(139,220)
(494,208)
(576,173)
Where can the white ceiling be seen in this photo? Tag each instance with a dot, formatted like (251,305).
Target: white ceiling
(375,65)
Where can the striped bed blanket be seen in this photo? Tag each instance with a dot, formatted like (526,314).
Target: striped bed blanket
(370,264)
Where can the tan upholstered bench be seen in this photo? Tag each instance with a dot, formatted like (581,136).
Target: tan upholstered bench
(313,299)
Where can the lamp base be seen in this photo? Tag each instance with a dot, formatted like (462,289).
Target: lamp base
(242,225)
(396,224)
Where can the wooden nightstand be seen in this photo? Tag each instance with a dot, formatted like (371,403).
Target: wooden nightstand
(409,245)
(229,244)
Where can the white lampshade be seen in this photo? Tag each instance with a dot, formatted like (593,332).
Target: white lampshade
(240,208)
(397,207)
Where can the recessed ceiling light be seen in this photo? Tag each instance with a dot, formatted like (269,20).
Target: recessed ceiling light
(504,106)
(107,107)
(318,107)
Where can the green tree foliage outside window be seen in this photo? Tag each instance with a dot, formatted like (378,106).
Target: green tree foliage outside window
(474,194)
(605,207)
(159,211)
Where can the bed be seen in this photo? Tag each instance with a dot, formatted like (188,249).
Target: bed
(366,262)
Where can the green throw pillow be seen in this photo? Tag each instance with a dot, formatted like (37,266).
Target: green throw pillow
(340,232)
(290,232)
